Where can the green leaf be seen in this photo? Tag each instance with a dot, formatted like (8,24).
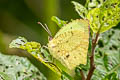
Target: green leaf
(59,22)
(18,42)
(107,56)
(46,55)
(4,76)
(18,68)
(105,17)
(112,76)
(91,4)
(34,49)
(65,76)
(81,10)
(106,62)
(93,17)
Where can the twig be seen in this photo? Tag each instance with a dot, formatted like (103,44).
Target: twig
(92,65)
(82,74)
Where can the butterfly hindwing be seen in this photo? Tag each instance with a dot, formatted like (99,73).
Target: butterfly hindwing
(70,44)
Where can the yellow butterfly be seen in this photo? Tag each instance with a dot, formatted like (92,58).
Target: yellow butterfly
(70,44)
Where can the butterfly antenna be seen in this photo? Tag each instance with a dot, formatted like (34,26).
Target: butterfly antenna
(45,28)
(48,30)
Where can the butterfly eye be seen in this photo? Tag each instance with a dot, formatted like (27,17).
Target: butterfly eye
(50,38)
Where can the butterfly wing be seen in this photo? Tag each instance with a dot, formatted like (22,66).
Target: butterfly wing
(70,44)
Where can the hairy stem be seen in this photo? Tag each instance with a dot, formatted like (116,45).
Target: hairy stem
(92,65)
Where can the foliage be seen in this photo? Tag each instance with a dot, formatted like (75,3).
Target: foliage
(81,10)
(18,68)
(107,57)
(35,50)
(102,16)
(59,22)
(4,76)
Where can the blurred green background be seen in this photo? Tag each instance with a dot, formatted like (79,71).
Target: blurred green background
(20,17)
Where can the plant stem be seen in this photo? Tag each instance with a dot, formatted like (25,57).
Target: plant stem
(92,65)
(82,74)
